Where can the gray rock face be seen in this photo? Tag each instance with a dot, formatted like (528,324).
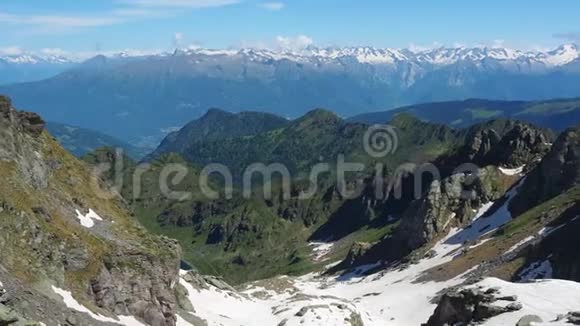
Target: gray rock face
(145,295)
(472,305)
(480,144)
(16,129)
(205,281)
(523,144)
(558,171)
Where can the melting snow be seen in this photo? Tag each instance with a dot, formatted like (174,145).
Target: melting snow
(484,225)
(320,250)
(396,296)
(545,298)
(72,303)
(515,171)
(224,308)
(88,220)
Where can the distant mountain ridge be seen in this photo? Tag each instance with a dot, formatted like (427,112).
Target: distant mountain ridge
(136,98)
(561,55)
(554,114)
(81,141)
(31,67)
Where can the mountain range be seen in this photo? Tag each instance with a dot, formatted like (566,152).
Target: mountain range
(26,67)
(140,98)
(492,246)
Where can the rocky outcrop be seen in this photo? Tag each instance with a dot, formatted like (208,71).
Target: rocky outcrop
(30,122)
(479,144)
(558,171)
(204,282)
(472,305)
(506,143)
(522,145)
(451,202)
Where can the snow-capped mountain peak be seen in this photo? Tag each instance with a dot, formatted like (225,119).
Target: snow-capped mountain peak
(389,56)
(564,54)
(441,56)
(33,59)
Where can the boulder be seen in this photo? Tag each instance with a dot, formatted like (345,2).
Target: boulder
(302,312)
(529,320)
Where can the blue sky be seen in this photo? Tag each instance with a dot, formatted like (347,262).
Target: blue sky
(111,25)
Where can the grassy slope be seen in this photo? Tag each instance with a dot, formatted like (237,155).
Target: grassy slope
(265,238)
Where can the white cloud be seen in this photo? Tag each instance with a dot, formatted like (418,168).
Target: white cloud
(299,42)
(59,21)
(54,52)
(12,50)
(273,6)
(498,44)
(130,10)
(179,3)
(177,40)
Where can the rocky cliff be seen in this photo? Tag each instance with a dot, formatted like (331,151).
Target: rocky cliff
(60,230)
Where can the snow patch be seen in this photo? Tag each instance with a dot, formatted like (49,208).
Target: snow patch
(72,303)
(224,308)
(89,219)
(515,171)
(520,244)
(482,226)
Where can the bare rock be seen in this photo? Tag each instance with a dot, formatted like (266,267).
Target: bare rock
(486,310)
(512,298)
(515,306)
(529,320)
